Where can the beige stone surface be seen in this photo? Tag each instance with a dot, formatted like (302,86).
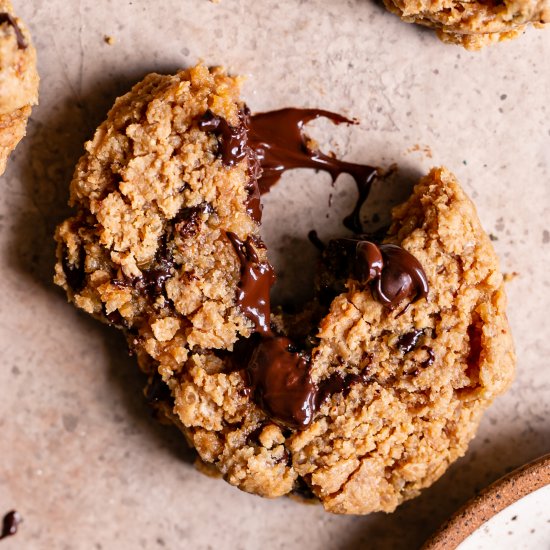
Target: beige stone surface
(81,459)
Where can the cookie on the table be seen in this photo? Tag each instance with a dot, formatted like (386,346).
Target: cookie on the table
(411,383)
(473,24)
(18,80)
(367,394)
(148,248)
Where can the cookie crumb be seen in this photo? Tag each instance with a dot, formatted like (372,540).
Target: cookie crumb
(423,149)
(509,277)
(110,40)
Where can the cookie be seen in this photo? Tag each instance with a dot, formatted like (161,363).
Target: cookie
(18,80)
(153,194)
(473,24)
(362,398)
(382,397)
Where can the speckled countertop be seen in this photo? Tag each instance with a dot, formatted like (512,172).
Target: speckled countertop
(80,457)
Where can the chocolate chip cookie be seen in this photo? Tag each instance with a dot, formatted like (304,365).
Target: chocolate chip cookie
(473,24)
(18,80)
(364,396)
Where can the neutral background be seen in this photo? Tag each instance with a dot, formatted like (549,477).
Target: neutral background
(80,456)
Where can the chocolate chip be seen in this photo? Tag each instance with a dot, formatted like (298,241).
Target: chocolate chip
(431,357)
(186,223)
(407,342)
(75,274)
(10,524)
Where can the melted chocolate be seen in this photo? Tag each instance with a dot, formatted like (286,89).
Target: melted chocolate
(394,273)
(281,382)
(282,385)
(278,373)
(187,221)
(409,341)
(10,524)
(338,383)
(274,142)
(402,277)
(253,204)
(257,279)
(368,262)
(10,20)
(185,224)
(233,147)
(279,143)
(232,140)
(153,280)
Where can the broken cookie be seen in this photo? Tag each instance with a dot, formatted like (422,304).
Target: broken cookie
(367,394)
(473,24)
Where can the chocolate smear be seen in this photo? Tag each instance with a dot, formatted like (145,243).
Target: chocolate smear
(10,20)
(274,142)
(233,139)
(10,524)
(281,382)
(256,281)
(279,143)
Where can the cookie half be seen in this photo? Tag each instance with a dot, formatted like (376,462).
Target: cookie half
(367,394)
(18,80)
(473,24)
(148,249)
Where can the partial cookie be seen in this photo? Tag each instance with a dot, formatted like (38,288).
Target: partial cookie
(406,386)
(18,80)
(148,249)
(473,24)
(365,396)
